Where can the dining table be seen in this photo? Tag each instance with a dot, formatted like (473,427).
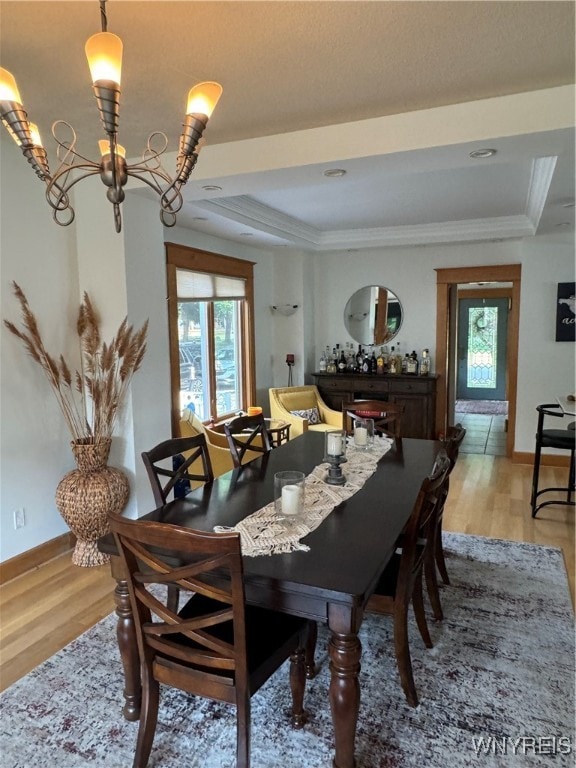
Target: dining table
(329,582)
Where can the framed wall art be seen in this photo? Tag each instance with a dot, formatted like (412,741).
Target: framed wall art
(565,312)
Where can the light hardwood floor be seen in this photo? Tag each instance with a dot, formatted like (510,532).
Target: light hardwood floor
(43,610)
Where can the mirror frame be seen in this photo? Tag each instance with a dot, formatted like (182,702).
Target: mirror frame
(364,319)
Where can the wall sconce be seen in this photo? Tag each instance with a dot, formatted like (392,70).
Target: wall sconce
(284,309)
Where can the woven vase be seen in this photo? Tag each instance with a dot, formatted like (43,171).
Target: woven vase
(87,495)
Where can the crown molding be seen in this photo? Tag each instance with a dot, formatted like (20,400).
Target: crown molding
(247,211)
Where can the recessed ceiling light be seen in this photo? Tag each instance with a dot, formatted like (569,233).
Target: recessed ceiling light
(566,202)
(212,188)
(562,224)
(482,153)
(334,173)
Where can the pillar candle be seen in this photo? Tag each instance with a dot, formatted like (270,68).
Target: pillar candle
(360,435)
(334,445)
(291,499)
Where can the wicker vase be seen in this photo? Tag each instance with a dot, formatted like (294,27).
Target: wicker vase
(86,495)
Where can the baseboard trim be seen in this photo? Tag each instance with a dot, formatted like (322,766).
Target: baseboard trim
(35,557)
(548,459)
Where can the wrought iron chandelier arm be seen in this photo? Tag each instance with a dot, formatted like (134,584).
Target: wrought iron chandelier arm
(57,194)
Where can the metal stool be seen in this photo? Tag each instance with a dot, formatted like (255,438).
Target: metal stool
(564,439)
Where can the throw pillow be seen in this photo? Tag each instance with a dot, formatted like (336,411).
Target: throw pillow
(309,413)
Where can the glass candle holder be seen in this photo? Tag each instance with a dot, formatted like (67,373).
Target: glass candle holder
(335,443)
(363,434)
(289,490)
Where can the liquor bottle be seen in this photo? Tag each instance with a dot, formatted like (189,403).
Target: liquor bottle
(366,363)
(359,358)
(412,364)
(342,363)
(392,361)
(405,363)
(331,367)
(380,362)
(350,360)
(322,363)
(373,363)
(425,363)
(399,358)
(386,356)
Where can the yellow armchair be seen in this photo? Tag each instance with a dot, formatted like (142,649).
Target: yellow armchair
(220,455)
(285,400)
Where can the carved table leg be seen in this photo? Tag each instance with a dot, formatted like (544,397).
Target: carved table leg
(345,650)
(128,648)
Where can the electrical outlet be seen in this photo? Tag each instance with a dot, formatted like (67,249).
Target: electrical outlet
(19,518)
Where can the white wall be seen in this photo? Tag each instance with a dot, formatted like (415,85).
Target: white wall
(34,442)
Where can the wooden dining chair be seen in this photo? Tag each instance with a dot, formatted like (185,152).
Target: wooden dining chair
(387,416)
(215,646)
(185,454)
(435,560)
(247,434)
(182,454)
(401,582)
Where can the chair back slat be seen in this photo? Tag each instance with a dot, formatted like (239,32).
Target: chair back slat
(247,434)
(184,452)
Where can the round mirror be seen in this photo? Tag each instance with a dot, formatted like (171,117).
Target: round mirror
(373,315)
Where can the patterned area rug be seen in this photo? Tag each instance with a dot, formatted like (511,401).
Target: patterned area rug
(487,407)
(496,690)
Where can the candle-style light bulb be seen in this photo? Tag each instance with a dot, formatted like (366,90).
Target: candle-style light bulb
(104,146)
(8,88)
(104,54)
(35,133)
(202,98)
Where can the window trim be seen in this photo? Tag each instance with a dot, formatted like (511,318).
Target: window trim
(197,260)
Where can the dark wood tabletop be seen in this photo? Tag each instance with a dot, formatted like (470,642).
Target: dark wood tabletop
(332,581)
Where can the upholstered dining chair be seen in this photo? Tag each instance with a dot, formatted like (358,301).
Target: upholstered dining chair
(563,439)
(190,467)
(215,646)
(303,408)
(247,436)
(401,582)
(387,416)
(435,559)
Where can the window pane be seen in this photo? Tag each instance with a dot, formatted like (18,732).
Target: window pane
(227,359)
(482,346)
(194,391)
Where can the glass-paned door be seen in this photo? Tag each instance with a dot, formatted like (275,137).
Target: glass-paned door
(482,342)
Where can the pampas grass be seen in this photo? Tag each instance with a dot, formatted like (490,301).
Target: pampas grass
(91,399)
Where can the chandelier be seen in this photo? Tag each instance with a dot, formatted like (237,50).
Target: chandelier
(104,53)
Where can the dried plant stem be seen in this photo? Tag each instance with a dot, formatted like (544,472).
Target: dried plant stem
(90,401)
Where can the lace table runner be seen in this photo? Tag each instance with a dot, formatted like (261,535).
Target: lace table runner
(263,533)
